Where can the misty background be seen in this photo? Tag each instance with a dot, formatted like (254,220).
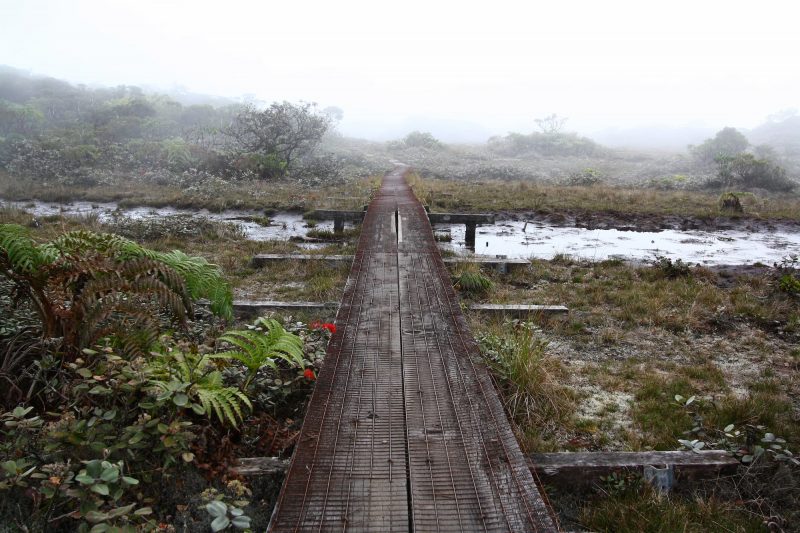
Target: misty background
(624,73)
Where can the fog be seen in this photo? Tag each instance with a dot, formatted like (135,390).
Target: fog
(620,70)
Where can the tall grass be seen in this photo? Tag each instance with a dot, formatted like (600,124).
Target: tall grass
(470,282)
(529,380)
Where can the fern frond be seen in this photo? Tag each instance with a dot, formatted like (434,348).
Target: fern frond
(19,250)
(203,280)
(225,402)
(77,243)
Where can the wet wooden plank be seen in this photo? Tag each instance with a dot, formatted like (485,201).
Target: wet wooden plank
(331,214)
(578,470)
(520,310)
(461,218)
(575,469)
(261,260)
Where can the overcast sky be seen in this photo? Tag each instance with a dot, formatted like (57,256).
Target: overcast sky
(388,65)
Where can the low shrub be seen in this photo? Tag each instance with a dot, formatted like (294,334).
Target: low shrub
(99,451)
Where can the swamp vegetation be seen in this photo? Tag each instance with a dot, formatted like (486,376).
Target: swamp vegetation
(128,391)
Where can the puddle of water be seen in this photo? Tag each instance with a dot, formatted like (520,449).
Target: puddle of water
(505,238)
(705,247)
(282,225)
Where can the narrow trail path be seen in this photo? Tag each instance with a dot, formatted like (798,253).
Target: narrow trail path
(405,431)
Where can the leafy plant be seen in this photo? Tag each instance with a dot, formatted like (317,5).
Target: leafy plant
(97,489)
(621,483)
(225,507)
(745,170)
(191,380)
(15,473)
(748,444)
(787,271)
(265,343)
(587,177)
(85,285)
(789,283)
(670,269)
(226,515)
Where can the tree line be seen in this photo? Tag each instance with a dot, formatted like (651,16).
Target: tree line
(52,130)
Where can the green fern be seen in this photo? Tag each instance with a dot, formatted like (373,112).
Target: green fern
(18,252)
(203,279)
(195,374)
(263,345)
(85,285)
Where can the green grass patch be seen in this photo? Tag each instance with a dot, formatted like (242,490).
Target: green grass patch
(651,513)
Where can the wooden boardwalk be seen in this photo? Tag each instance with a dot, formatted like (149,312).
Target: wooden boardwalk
(404,431)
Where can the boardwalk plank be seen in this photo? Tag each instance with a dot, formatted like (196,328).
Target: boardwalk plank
(405,430)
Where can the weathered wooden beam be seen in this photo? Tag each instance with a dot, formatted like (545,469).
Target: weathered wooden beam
(500,263)
(331,214)
(487,260)
(435,218)
(261,466)
(519,310)
(461,218)
(261,260)
(251,308)
(575,470)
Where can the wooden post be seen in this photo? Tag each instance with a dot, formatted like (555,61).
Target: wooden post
(469,236)
(338,225)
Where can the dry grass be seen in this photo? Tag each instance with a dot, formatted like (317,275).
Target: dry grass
(451,195)
(635,338)
(351,195)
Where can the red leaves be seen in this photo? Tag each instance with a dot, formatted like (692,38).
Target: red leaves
(309,374)
(320,325)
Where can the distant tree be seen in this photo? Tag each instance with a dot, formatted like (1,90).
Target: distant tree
(421,139)
(728,142)
(551,124)
(335,114)
(279,136)
(782,115)
(746,171)
(765,151)
(20,119)
(538,144)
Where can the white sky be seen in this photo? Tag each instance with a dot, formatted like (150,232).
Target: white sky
(499,64)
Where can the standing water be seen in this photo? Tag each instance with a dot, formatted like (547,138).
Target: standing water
(514,239)
(281,226)
(542,241)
